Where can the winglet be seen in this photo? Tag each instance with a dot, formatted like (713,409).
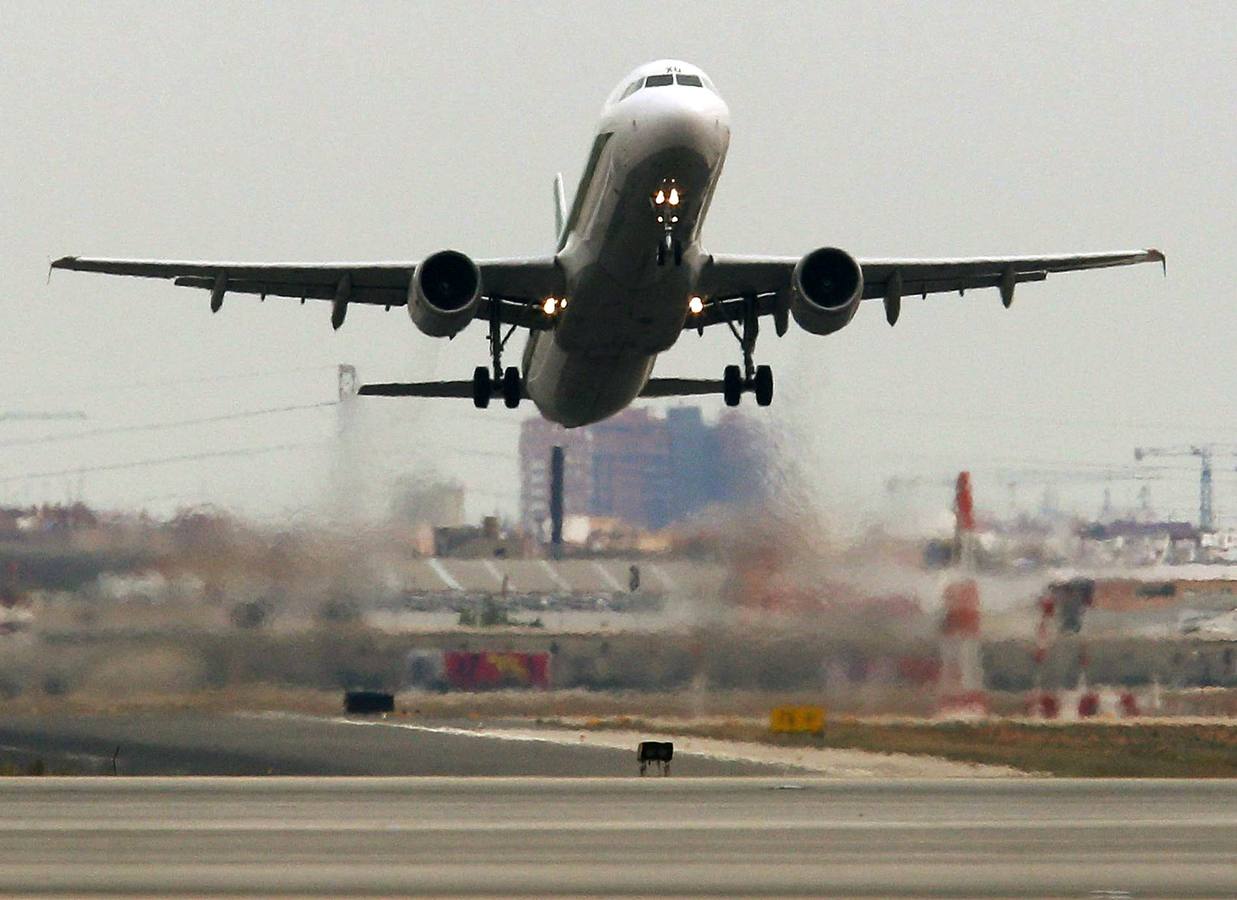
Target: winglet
(1156,256)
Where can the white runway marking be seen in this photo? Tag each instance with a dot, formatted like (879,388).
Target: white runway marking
(441,571)
(607,577)
(826,761)
(493,570)
(553,573)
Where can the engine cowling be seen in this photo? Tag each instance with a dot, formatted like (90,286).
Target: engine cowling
(444,293)
(826,288)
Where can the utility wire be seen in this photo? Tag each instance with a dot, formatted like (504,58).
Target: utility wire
(19,416)
(159,426)
(199,379)
(159,461)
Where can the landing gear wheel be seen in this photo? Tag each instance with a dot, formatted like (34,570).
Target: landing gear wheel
(732,385)
(512,389)
(481,387)
(763,385)
(667,247)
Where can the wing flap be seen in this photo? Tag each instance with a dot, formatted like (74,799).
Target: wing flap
(359,293)
(912,285)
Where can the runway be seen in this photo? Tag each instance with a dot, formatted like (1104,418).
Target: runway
(274,744)
(619,837)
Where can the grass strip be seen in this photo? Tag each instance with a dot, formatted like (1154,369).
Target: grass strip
(1080,750)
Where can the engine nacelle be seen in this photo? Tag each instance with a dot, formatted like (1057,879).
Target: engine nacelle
(444,293)
(826,288)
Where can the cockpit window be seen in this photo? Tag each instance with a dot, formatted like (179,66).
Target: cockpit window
(659,80)
(632,88)
(690,80)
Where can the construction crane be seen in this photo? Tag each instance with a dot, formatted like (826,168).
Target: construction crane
(1205,453)
(1050,479)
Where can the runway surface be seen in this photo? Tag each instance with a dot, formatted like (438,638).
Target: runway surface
(203,744)
(617,837)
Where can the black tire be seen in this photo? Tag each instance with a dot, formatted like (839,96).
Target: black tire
(369,702)
(661,253)
(732,385)
(763,385)
(678,253)
(512,389)
(481,387)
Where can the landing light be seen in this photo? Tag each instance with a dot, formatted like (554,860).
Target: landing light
(550,305)
(695,305)
(667,194)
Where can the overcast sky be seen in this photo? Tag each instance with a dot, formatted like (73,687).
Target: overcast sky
(386,131)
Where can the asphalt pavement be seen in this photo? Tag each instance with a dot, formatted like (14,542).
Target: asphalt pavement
(272,744)
(618,837)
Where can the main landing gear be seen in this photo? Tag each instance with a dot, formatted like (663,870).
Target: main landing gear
(486,382)
(751,377)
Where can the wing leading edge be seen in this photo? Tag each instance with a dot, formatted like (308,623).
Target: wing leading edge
(514,287)
(728,278)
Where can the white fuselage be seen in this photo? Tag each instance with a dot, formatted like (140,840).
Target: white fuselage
(624,306)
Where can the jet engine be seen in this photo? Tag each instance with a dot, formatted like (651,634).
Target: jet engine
(826,288)
(444,293)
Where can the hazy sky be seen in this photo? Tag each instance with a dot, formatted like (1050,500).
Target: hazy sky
(386,131)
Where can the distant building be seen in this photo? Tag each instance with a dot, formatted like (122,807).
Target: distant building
(641,468)
(471,542)
(435,504)
(631,469)
(1128,529)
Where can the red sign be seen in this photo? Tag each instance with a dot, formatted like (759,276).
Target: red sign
(964,505)
(489,669)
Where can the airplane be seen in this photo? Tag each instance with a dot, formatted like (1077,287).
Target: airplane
(629,274)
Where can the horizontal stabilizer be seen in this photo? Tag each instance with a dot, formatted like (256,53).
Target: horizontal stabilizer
(657,387)
(419,389)
(681,387)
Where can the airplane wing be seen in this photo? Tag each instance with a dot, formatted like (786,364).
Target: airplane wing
(515,287)
(730,278)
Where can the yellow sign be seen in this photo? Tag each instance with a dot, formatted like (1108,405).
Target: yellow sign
(797,719)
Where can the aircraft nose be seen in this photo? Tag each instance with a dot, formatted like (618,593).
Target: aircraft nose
(690,122)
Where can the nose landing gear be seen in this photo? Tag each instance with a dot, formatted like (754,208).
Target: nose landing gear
(669,248)
(754,378)
(506,383)
(667,204)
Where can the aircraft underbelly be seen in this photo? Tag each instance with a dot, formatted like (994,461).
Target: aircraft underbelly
(622,299)
(624,306)
(579,388)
